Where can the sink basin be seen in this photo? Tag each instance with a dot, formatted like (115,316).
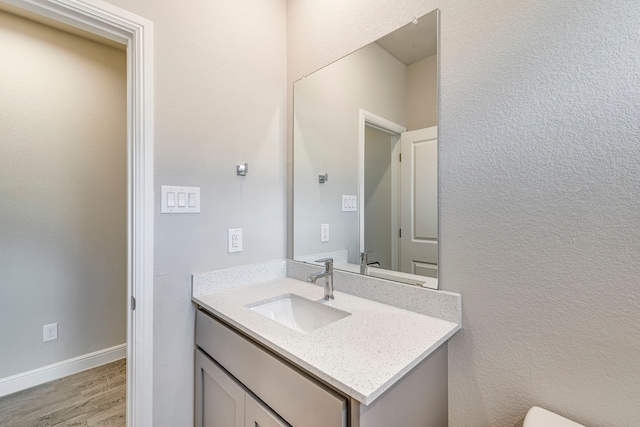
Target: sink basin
(300,314)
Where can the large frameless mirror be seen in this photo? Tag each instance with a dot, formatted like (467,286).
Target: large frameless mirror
(365,158)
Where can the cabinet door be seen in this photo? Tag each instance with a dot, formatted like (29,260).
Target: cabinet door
(259,416)
(219,398)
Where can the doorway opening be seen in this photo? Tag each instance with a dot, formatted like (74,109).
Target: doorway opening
(398,192)
(379,189)
(134,32)
(381,197)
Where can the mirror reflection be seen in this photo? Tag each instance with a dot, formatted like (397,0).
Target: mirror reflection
(365,158)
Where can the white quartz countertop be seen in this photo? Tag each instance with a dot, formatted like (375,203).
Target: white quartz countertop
(362,355)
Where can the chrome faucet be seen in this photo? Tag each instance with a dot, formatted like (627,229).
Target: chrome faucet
(364,266)
(364,262)
(328,277)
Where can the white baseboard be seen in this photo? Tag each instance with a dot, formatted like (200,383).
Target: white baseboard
(67,367)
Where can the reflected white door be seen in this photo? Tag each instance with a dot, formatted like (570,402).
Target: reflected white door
(419,202)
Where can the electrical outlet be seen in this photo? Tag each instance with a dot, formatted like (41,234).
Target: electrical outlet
(50,332)
(235,240)
(324,232)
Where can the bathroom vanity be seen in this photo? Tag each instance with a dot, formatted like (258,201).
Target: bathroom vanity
(352,361)
(270,351)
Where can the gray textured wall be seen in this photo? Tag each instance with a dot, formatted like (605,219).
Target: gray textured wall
(219,89)
(63,186)
(539,182)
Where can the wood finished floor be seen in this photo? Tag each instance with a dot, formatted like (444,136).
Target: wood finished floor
(96,398)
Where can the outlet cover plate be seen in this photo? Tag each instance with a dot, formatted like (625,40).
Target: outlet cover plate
(324,232)
(235,240)
(50,332)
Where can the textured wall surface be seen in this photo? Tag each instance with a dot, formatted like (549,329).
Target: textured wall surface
(539,183)
(220,75)
(63,186)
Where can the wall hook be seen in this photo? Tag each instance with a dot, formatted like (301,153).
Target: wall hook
(242,169)
(323,178)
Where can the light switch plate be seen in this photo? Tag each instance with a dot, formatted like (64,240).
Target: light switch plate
(175,200)
(235,240)
(349,203)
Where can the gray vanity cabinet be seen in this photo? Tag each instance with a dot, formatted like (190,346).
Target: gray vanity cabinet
(222,402)
(292,395)
(231,369)
(257,415)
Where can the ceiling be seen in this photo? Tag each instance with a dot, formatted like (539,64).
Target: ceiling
(413,42)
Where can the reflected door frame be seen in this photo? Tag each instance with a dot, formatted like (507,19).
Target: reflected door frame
(367,118)
(135,32)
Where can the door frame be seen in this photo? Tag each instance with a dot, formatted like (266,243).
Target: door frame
(135,32)
(365,119)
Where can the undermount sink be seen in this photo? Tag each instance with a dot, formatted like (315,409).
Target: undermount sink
(300,314)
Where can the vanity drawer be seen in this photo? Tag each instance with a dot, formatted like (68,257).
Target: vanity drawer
(298,399)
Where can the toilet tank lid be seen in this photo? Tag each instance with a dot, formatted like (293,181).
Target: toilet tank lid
(538,417)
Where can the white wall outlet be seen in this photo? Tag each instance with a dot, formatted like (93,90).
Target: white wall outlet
(235,240)
(349,203)
(50,332)
(174,199)
(324,232)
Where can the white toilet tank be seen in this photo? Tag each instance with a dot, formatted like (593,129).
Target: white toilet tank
(538,417)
